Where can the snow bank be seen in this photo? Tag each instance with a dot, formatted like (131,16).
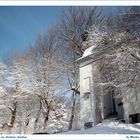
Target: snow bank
(110,127)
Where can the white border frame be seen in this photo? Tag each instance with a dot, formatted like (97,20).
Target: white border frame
(69,3)
(75,3)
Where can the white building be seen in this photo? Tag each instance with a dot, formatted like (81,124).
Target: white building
(97,105)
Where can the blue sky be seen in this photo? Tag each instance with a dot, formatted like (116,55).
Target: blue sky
(19,26)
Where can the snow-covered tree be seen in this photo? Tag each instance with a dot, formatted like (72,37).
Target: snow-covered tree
(44,76)
(59,118)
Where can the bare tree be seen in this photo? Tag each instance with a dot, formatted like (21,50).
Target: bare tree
(73,24)
(45,77)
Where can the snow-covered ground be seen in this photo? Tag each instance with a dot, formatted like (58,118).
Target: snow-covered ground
(110,126)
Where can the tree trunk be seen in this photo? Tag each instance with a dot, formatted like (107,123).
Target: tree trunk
(38,114)
(13,111)
(46,117)
(72,110)
(7,127)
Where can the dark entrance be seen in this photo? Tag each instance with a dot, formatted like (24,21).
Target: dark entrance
(134,118)
(114,106)
(113,102)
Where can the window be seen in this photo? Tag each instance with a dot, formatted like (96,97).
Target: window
(86,85)
(86,94)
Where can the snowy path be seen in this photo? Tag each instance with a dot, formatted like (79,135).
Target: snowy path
(110,126)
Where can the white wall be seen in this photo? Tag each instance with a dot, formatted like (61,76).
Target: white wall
(87,104)
(131,102)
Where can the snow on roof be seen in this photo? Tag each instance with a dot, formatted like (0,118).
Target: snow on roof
(89,51)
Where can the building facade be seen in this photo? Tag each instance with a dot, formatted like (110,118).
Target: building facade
(96,103)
